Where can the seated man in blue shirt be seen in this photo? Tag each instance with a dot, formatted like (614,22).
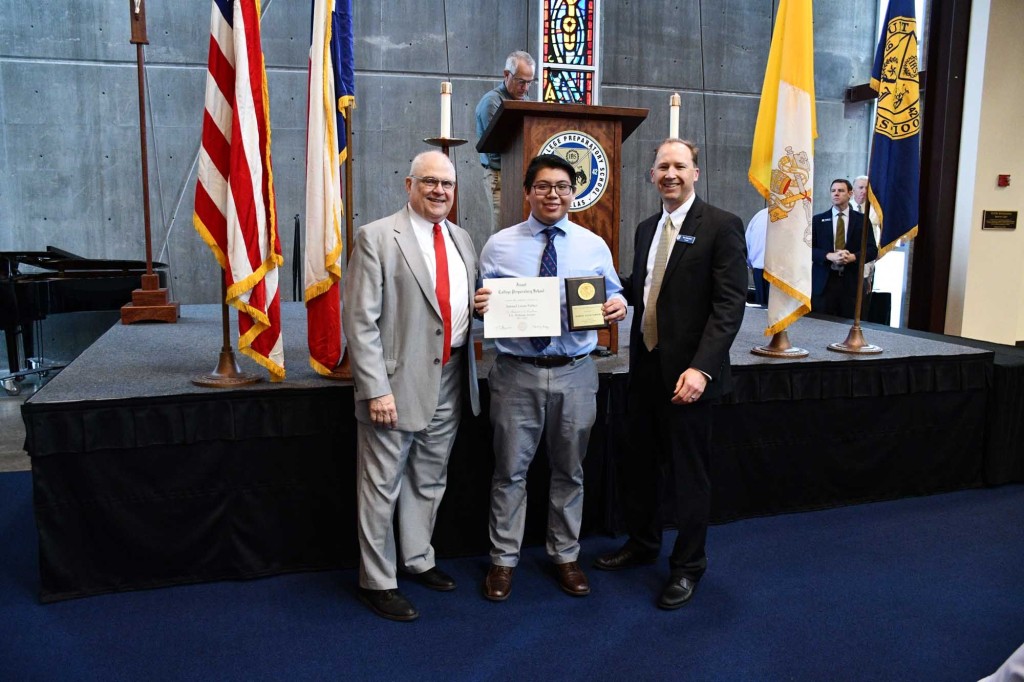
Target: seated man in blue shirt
(548,381)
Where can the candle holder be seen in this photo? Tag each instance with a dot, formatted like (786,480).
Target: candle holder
(445,142)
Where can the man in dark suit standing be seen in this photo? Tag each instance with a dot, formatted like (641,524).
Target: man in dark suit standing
(688,290)
(835,248)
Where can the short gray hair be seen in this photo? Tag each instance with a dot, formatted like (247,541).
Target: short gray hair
(418,160)
(512,61)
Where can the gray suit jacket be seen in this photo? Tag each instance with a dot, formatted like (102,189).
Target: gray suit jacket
(392,321)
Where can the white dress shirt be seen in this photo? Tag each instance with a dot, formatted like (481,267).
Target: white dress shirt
(676,217)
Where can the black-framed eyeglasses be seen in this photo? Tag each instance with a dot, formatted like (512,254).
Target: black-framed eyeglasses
(432,183)
(562,189)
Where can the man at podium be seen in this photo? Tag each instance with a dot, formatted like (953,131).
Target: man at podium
(519,72)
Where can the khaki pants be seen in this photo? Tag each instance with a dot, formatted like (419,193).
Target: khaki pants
(492,181)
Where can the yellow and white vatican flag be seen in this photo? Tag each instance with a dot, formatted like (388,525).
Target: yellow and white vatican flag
(782,163)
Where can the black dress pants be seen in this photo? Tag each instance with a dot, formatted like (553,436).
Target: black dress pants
(667,468)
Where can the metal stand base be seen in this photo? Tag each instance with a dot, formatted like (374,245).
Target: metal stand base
(227,375)
(855,344)
(779,347)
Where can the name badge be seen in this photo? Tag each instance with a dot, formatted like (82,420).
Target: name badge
(686,238)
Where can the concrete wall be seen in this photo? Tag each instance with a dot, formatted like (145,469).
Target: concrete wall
(69,160)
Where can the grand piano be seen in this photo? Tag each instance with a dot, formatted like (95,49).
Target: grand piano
(35,284)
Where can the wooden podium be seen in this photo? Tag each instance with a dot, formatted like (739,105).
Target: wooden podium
(521,130)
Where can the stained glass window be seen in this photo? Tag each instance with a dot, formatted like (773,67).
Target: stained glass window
(569,51)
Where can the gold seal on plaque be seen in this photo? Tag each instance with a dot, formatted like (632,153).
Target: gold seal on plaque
(586,291)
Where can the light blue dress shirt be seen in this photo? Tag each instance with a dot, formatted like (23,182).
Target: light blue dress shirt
(516,252)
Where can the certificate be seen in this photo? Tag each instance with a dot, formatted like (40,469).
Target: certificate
(584,299)
(523,306)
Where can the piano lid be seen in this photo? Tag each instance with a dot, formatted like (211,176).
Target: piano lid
(58,260)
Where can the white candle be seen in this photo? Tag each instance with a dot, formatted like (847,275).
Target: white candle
(446,110)
(673,115)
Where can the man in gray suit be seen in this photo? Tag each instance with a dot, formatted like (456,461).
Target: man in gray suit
(407,320)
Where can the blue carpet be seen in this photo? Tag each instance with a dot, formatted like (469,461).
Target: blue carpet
(928,588)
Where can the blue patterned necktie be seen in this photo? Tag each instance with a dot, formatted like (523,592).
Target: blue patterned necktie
(548,268)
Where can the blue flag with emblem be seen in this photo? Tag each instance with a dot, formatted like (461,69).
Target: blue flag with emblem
(895,170)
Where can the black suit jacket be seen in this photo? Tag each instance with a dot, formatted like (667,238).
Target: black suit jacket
(822,243)
(703,295)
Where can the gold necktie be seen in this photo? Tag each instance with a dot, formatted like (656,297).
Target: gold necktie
(650,328)
(840,233)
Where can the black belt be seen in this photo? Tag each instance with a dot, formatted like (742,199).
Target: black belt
(548,361)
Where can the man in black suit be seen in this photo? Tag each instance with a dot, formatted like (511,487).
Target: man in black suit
(688,289)
(835,248)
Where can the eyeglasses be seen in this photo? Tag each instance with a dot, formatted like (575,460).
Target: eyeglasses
(519,81)
(562,189)
(432,183)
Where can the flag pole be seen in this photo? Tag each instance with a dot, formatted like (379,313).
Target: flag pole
(343,370)
(347,199)
(855,342)
(227,373)
(150,302)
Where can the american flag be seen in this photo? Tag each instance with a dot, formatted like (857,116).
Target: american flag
(234,207)
(331,88)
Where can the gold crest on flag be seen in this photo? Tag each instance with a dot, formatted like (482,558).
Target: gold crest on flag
(899,108)
(789,187)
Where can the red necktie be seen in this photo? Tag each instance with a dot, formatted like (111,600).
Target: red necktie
(441,288)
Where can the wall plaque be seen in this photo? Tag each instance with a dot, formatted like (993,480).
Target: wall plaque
(999,220)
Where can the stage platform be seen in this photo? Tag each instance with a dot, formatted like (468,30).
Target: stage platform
(142,479)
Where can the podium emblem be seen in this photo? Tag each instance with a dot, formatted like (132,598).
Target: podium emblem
(589,160)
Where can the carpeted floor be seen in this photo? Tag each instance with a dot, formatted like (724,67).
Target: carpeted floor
(917,589)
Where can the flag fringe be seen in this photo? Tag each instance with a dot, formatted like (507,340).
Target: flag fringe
(321,287)
(802,309)
(319,367)
(277,372)
(204,233)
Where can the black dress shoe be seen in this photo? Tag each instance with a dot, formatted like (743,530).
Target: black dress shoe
(626,557)
(389,604)
(677,593)
(435,579)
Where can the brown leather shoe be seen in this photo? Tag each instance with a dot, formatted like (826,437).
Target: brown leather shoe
(572,579)
(498,583)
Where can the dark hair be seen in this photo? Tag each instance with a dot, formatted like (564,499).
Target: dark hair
(849,187)
(547,161)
